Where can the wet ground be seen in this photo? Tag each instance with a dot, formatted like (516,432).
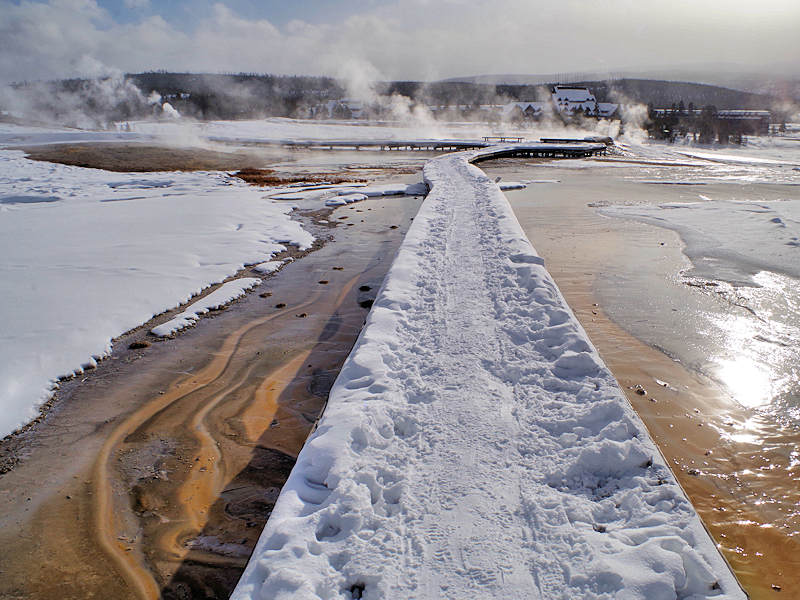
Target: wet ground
(148,157)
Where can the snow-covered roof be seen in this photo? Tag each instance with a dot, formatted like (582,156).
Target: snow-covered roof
(744,114)
(356,107)
(568,99)
(524,106)
(574,94)
(606,109)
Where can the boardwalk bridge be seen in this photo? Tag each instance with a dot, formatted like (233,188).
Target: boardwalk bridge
(511,146)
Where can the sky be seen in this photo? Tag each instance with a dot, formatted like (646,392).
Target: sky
(393,39)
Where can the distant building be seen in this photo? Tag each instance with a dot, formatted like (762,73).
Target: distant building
(569,99)
(338,109)
(566,100)
(758,119)
(517,111)
(607,110)
(708,124)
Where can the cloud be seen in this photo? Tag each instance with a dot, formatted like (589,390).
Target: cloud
(402,39)
(137,4)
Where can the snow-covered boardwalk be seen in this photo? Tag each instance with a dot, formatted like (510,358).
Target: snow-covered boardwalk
(474,444)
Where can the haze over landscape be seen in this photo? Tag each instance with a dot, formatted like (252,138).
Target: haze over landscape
(400,40)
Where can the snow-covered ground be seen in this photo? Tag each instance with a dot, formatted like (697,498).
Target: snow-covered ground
(12,135)
(278,129)
(766,159)
(474,444)
(187,132)
(201,133)
(346,193)
(86,255)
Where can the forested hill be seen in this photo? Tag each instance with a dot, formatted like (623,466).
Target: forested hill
(220,96)
(99,102)
(214,96)
(662,94)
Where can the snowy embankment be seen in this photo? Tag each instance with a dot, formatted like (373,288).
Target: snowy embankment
(340,194)
(474,444)
(86,255)
(225,294)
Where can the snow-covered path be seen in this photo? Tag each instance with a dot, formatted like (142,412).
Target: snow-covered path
(474,444)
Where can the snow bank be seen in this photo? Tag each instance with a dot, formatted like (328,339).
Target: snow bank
(86,255)
(345,193)
(512,185)
(732,158)
(344,199)
(269,267)
(475,445)
(225,294)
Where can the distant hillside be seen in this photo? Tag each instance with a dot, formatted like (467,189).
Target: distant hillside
(244,95)
(781,81)
(663,94)
(100,102)
(527,80)
(660,93)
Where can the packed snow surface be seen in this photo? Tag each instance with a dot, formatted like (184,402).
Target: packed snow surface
(225,294)
(474,444)
(86,255)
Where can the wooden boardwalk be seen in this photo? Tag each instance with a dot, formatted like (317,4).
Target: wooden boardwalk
(512,150)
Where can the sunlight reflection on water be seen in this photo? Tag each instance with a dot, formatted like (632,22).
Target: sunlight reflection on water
(749,381)
(758,356)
